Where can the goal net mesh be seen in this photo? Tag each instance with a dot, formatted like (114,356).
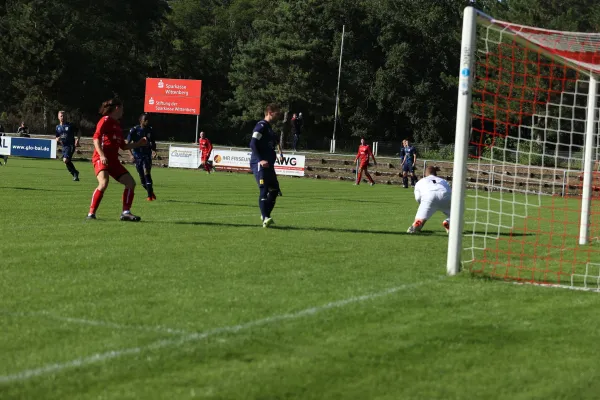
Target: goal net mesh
(529,108)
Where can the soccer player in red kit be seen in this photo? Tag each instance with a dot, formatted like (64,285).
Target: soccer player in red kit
(205,150)
(108,139)
(364,154)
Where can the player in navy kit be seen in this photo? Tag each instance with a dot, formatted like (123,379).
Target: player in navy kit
(67,135)
(143,155)
(408,154)
(262,163)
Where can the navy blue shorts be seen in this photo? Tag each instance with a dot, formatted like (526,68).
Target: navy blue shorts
(265,177)
(67,151)
(408,167)
(143,164)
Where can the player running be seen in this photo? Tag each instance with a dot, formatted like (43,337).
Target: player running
(364,154)
(408,154)
(108,139)
(262,163)
(65,135)
(205,150)
(143,155)
(433,194)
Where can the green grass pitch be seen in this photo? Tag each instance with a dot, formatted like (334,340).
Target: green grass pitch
(199,301)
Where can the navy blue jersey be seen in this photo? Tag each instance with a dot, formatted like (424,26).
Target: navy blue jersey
(263,144)
(409,152)
(136,134)
(66,132)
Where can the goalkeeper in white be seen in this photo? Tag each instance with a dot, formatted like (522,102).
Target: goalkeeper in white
(433,194)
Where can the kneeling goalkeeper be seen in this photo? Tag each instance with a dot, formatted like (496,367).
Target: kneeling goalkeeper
(433,194)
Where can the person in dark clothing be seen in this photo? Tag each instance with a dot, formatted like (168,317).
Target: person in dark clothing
(67,135)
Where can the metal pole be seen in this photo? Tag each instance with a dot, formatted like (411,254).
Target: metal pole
(337,95)
(586,196)
(197,120)
(461,144)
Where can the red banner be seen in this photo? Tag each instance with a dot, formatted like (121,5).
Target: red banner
(173,96)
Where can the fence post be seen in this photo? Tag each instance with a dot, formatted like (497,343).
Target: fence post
(493,178)
(332,146)
(564,186)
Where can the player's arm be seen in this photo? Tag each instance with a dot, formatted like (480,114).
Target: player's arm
(256,137)
(414,156)
(372,155)
(417,193)
(57,134)
(128,140)
(77,137)
(134,145)
(210,149)
(152,144)
(280,151)
(98,146)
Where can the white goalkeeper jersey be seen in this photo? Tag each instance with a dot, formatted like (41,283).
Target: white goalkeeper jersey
(432,187)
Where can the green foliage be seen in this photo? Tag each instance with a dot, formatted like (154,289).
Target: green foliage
(398,79)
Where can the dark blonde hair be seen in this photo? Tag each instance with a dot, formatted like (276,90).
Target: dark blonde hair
(272,108)
(109,106)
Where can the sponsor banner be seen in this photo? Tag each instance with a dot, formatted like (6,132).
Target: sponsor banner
(30,147)
(173,96)
(172,105)
(5,145)
(184,157)
(232,160)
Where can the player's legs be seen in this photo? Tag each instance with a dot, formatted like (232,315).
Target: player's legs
(405,169)
(257,171)
(128,194)
(206,164)
(147,171)
(427,208)
(366,170)
(273,186)
(139,167)
(67,155)
(413,176)
(445,208)
(102,176)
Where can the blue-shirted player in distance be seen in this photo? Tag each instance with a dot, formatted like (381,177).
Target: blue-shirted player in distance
(67,135)
(143,155)
(408,154)
(262,162)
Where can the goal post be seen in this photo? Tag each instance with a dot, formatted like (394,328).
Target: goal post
(524,185)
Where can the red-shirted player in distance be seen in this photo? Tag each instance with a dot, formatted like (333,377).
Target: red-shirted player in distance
(108,139)
(364,153)
(205,150)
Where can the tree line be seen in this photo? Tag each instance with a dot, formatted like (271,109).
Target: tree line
(399,69)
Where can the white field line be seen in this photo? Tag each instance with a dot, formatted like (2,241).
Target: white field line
(104,324)
(100,357)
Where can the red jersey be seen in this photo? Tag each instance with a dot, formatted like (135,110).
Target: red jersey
(110,134)
(364,152)
(205,147)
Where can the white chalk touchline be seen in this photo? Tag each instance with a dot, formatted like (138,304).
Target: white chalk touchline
(106,324)
(99,357)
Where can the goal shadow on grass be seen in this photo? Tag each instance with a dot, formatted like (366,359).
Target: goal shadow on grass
(27,188)
(300,228)
(208,203)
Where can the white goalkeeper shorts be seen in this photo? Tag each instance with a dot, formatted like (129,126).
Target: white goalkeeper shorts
(430,204)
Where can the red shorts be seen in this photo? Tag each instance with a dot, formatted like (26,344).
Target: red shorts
(114,168)
(204,157)
(363,164)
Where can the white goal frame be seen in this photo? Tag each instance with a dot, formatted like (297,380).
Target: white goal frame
(463,130)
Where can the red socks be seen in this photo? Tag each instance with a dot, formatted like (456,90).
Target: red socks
(127,199)
(96,199)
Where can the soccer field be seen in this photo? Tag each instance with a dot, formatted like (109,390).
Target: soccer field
(335,301)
